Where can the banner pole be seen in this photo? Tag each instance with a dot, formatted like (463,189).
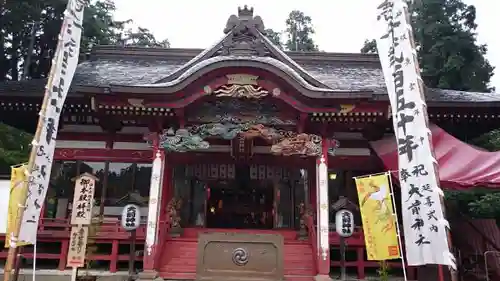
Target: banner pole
(34,146)
(376,174)
(34,262)
(11,255)
(421,86)
(395,214)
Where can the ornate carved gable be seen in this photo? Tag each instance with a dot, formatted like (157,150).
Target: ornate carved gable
(239,111)
(243,35)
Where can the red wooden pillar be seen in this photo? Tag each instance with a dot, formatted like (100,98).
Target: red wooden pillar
(322,215)
(64,254)
(113,263)
(155,195)
(167,190)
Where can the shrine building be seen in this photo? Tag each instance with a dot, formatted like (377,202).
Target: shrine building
(249,143)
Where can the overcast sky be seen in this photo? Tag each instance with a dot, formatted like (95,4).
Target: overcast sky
(341,25)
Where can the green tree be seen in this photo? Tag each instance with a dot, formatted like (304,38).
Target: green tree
(19,17)
(14,147)
(275,37)
(448,52)
(369,47)
(299,30)
(475,203)
(142,37)
(30,29)
(450,57)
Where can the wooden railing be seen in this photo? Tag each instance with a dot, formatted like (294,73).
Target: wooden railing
(311,231)
(57,231)
(355,243)
(53,231)
(163,234)
(481,236)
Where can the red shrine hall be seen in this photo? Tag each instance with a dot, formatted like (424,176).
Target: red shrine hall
(245,144)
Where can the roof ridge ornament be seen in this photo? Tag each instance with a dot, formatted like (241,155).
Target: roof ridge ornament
(243,34)
(245,12)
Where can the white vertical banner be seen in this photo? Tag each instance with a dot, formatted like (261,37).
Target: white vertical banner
(425,228)
(154,197)
(63,68)
(322,199)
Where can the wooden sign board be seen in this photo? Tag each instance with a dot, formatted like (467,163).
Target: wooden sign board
(77,246)
(83,199)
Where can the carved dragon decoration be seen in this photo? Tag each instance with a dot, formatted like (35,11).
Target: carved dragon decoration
(284,142)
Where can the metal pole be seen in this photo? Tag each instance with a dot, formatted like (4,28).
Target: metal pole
(17,266)
(486,262)
(396,220)
(131,261)
(342,259)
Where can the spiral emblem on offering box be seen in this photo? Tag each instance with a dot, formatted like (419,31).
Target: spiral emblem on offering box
(240,256)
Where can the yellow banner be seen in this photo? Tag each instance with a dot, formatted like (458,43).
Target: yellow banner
(18,191)
(379,222)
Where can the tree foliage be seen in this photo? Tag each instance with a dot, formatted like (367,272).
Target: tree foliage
(14,147)
(369,47)
(476,203)
(275,37)
(448,52)
(18,20)
(450,57)
(479,203)
(299,30)
(99,28)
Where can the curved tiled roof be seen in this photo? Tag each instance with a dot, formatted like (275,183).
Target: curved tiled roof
(244,41)
(338,75)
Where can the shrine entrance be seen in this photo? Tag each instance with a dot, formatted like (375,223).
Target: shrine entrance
(241,203)
(239,196)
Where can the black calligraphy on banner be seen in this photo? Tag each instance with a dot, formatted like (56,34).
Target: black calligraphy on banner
(50,130)
(75,10)
(385,13)
(423,218)
(404,116)
(62,71)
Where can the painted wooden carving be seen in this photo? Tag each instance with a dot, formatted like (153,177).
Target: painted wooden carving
(301,144)
(284,142)
(181,140)
(241,91)
(241,86)
(261,131)
(229,110)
